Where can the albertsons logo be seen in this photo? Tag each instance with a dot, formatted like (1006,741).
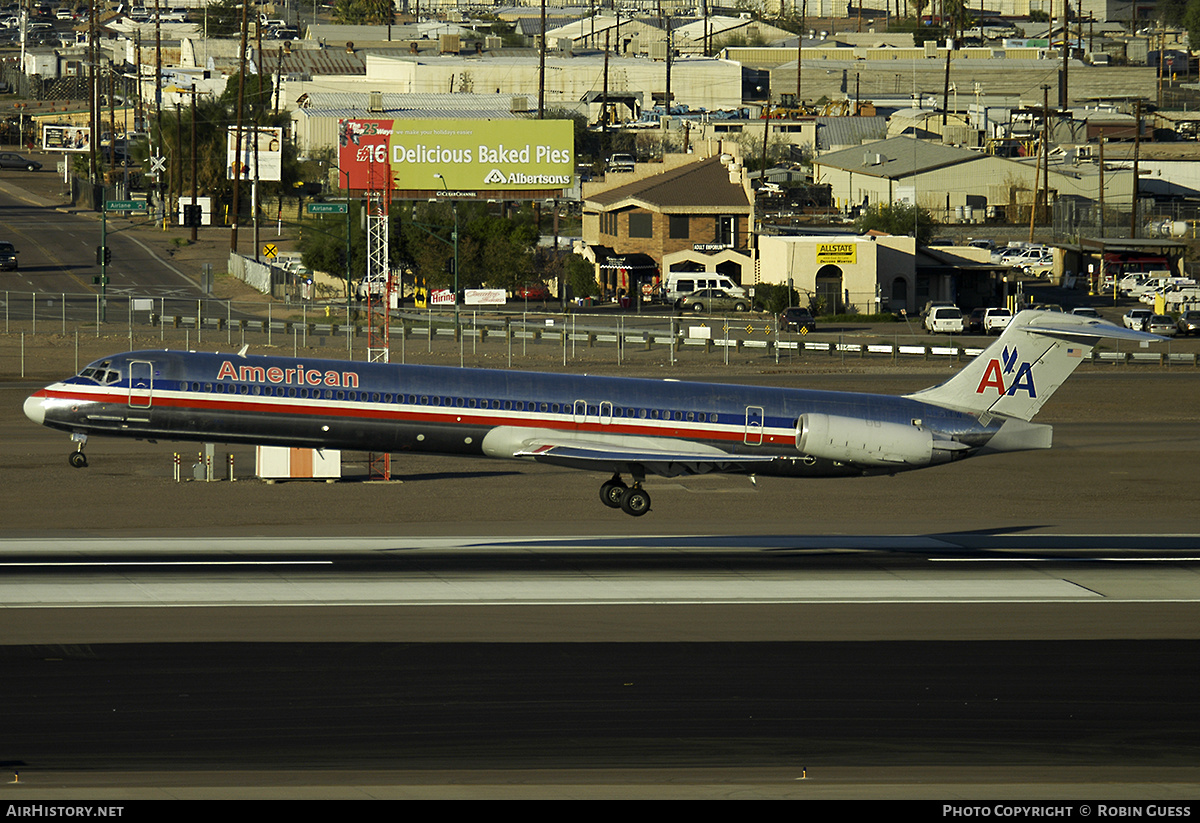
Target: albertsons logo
(495,176)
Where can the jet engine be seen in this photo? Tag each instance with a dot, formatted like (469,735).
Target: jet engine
(864,442)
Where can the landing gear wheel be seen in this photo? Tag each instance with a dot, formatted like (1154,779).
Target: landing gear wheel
(635,502)
(78,460)
(612,492)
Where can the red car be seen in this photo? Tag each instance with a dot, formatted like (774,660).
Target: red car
(533,291)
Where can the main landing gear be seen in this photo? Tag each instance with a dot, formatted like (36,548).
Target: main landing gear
(78,459)
(631,500)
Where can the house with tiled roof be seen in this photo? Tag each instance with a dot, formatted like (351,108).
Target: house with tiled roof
(689,213)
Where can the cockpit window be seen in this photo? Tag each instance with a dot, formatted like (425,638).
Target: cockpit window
(102,375)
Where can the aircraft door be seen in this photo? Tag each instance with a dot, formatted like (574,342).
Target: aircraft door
(753,435)
(141,384)
(585,413)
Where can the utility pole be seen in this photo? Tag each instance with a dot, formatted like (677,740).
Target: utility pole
(237,158)
(158,104)
(542,68)
(194,226)
(93,101)
(1137,146)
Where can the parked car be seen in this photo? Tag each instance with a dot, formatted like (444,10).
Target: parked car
(936,304)
(996,321)
(1188,323)
(974,322)
(1161,324)
(533,291)
(1137,319)
(1023,257)
(1086,311)
(12,160)
(712,300)
(1039,266)
(797,318)
(8,257)
(944,320)
(620,163)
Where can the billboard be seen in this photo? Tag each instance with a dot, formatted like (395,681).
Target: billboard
(66,138)
(262,147)
(457,156)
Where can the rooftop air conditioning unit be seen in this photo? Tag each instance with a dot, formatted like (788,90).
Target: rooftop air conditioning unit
(519,104)
(375,101)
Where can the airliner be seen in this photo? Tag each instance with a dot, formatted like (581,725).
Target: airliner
(625,427)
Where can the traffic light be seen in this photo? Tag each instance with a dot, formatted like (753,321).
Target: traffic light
(192,215)
(103,255)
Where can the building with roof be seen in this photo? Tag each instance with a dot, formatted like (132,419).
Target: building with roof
(690,213)
(575,83)
(315,118)
(956,183)
(878,272)
(865,73)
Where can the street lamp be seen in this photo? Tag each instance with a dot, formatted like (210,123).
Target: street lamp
(453,237)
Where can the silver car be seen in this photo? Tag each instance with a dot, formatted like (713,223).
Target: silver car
(1161,324)
(712,300)
(1188,323)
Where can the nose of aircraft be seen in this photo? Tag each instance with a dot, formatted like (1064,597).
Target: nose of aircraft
(34,409)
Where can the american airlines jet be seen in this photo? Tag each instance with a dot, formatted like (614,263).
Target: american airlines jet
(628,428)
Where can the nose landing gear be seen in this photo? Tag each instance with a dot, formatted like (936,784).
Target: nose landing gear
(78,459)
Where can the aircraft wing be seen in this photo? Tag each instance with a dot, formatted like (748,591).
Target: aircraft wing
(664,457)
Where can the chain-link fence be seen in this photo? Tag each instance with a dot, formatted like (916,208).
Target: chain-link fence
(516,337)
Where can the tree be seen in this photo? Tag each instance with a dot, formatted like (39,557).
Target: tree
(364,12)
(1190,20)
(897,218)
(223,18)
(580,276)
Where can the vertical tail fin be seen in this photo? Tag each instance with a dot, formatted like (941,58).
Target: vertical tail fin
(1014,376)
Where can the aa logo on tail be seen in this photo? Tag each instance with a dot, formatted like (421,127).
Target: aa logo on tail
(1020,376)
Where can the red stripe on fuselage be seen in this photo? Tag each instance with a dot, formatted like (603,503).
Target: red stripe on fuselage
(406,414)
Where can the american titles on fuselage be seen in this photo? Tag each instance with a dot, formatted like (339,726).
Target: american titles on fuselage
(299,376)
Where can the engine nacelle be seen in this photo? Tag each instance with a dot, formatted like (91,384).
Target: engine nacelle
(863,442)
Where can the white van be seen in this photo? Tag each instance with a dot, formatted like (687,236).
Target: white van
(678,284)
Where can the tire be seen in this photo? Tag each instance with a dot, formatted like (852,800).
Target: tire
(78,460)
(698,307)
(611,494)
(31,167)
(635,502)
(739,307)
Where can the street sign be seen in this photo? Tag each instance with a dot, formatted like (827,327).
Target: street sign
(327,208)
(124,205)
(158,163)
(270,251)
